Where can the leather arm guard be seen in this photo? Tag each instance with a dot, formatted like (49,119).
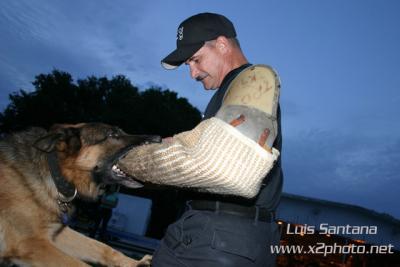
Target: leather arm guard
(254,94)
(215,156)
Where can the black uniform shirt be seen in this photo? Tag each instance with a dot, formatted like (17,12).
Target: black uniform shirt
(271,191)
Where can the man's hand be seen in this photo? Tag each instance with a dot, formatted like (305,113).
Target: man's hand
(263,137)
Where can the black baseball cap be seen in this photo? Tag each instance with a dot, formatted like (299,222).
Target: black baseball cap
(193,33)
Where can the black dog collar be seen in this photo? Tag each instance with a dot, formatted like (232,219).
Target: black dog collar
(66,190)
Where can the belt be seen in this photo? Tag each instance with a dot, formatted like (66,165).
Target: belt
(251,212)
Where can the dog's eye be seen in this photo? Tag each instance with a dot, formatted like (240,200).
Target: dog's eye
(114,134)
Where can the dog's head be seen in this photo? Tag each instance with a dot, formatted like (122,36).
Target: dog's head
(87,154)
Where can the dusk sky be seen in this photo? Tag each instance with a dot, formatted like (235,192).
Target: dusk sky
(338,63)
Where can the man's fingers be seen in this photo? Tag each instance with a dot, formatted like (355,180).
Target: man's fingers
(237,121)
(263,139)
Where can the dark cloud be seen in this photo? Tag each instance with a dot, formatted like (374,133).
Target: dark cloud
(345,168)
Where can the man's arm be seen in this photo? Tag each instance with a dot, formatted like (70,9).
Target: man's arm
(213,157)
(216,156)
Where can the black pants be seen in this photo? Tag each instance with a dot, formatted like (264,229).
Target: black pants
(209,239)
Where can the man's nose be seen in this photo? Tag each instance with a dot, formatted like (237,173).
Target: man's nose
(193,72)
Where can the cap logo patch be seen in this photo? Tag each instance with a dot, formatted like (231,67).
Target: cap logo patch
(180,33)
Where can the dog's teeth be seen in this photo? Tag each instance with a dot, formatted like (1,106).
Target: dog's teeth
(118,171)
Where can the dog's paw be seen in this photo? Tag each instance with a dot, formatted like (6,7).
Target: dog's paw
(145,261)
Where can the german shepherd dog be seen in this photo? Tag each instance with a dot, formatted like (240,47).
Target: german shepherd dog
(40,174)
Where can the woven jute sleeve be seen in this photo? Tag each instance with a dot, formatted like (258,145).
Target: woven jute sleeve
(213,157)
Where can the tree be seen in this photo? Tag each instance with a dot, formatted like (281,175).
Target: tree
(57,99)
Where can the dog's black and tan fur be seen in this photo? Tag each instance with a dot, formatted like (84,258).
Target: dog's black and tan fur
(31,231)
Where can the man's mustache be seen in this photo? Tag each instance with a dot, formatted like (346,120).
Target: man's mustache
(201,77)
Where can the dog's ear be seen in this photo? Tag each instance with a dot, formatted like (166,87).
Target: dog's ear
(72,141)
(48,143)
(61,138)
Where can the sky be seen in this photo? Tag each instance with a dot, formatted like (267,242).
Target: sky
(337,60)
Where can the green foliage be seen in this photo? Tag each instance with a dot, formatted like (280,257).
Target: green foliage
(57,99)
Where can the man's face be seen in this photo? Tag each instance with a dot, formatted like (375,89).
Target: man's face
(206,65)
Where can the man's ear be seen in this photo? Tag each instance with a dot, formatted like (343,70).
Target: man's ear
(222,44)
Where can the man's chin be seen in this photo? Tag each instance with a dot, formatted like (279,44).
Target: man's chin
(209,87)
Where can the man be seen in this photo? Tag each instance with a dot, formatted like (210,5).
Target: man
(229,222)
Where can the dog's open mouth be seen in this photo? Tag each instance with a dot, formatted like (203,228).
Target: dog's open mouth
(110,173)
(123,178)
(118,172)
(118,175)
